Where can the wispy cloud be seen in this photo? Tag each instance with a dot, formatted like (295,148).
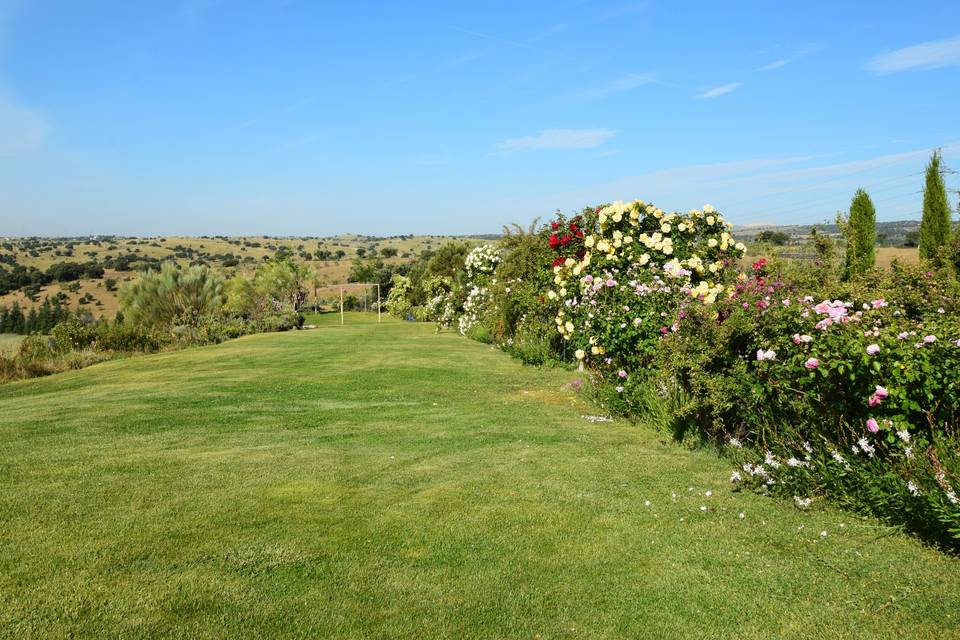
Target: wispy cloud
(777,64)
(558,139)
(193,12)
(298,143)
(719,91)
(926,55)
(22,130)
(625,82)
(789,189)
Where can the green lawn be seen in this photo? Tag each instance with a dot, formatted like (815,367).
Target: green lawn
(382,481)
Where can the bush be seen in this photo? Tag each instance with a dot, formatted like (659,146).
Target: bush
(855,397)
(161,298)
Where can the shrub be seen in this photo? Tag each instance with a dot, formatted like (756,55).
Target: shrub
(160,298)
(624,272)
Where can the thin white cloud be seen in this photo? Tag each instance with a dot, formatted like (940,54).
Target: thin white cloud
(625,82)
(719,91)
(299,143)
(777,64)
(558,139)
(22,130)
(193,12)
(789,188)
(926,55)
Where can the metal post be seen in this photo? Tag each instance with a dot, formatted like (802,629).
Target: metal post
(341,306)
(378,302)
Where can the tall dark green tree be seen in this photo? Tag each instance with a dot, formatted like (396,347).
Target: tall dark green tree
(935,223)
(861,232)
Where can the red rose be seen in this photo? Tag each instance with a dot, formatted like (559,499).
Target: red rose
(554,241)
(565,240)
(554,225)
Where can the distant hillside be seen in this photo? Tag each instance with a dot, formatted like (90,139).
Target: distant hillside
(888,233)
(100,265)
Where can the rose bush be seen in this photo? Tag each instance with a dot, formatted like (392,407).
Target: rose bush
(624,272)
(853,398)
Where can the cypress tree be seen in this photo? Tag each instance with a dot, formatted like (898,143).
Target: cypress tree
(935,223)
(17,320)
(45,317)
(861,230)
(32,322)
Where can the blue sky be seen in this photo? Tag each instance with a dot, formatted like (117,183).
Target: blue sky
(289,117)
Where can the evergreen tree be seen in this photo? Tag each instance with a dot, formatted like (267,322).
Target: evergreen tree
(935,223)
(861,232)
(32,322)
(17,321)
(4,319)
(44,317)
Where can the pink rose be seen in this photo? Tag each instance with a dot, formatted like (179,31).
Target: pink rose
(872,425)
(873,349)
(812,363)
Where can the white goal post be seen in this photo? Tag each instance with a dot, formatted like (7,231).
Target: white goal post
(354,285)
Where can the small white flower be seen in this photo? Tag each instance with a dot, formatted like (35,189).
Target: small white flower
(823,534)
(708,493)
(742,515)
(807,447)
(735,477)
(802,503)
(735,443)
(839,458)
(703,508)
(646,503)
(903,434)
(912,488)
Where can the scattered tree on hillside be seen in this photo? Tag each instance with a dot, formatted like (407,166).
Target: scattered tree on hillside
(778,238)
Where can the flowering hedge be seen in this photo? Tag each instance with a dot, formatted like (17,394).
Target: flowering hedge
(481,265)
(855,399)
(822,389)
(622,272)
